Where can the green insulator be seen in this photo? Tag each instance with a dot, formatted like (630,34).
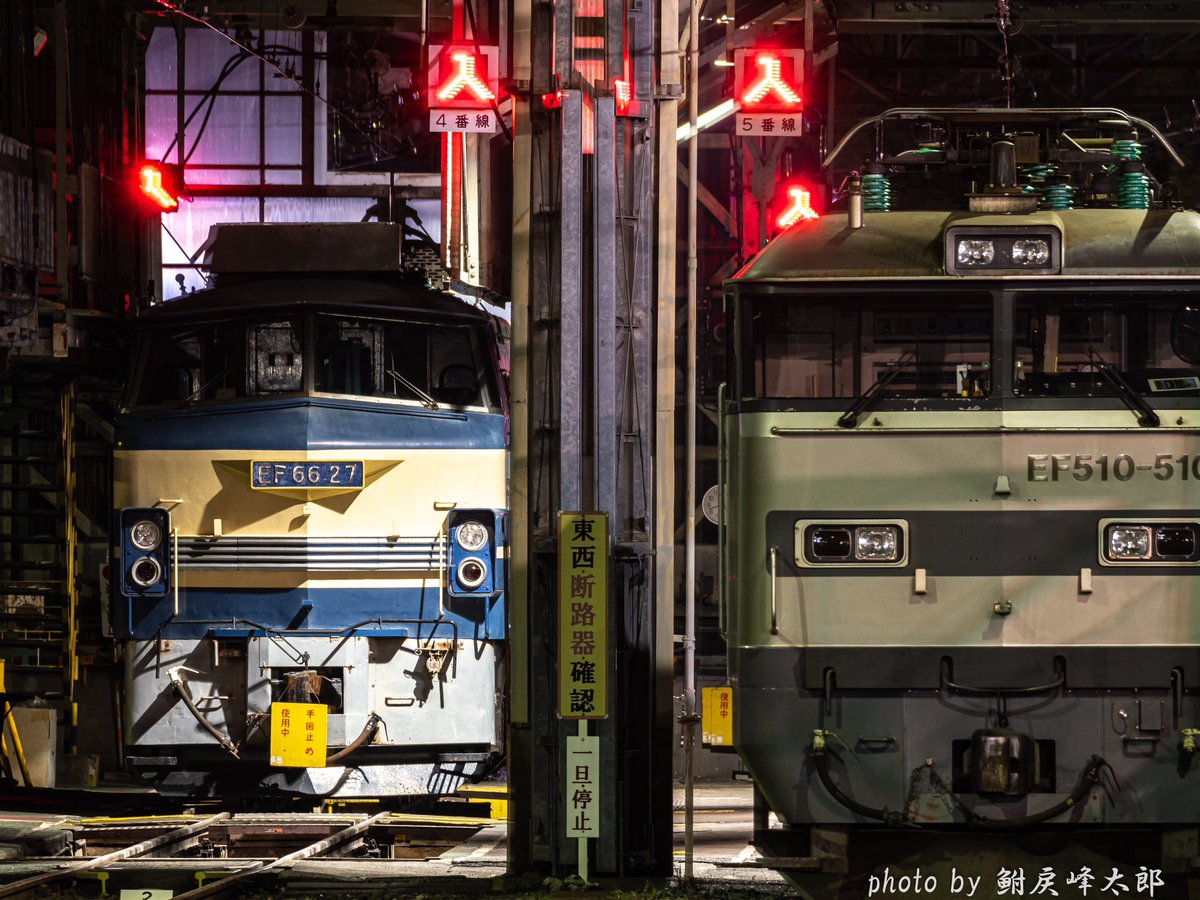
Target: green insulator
(1057,196)
(1032,177)
(877,193)
(1034,174)
(1126,149)
(1134,190)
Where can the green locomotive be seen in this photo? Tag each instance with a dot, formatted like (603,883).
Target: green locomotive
(960,475)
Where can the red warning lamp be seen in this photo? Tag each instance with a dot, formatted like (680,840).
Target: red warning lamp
(462,78)
(799,207)
(769,81)
(623,91)
(770,86)
(161,184)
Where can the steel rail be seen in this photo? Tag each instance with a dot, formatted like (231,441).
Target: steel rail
(258,868)
(171,837)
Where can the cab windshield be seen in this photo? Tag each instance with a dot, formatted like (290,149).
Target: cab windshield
(838,347)
(1068,345)
(420,363)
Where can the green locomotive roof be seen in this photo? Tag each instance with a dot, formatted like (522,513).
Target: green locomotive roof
(1108,242)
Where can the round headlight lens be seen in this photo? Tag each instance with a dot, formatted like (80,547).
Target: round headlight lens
(145,534)
(471,535)
(471,573)
(146,572)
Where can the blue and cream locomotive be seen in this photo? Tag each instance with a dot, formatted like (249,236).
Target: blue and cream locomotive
(310,479)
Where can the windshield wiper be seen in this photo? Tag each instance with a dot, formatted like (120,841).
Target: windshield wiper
(1136,402)
(849,419)
(427,401)
(203,389)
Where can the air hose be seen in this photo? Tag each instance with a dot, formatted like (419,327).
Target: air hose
(821,762)
(1088,779)
(364,736)
(181,690)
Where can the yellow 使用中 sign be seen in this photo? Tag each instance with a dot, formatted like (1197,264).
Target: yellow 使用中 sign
(299,734)
(716,716)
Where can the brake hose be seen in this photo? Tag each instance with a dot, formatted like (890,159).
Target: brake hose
(181,690)
(1088,779)
(365,735)
(821,761)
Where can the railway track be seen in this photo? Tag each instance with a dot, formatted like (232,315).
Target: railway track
(226,853)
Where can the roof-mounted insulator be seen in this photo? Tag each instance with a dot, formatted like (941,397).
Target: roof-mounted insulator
(1057,193)
(1134,190)
(877,190)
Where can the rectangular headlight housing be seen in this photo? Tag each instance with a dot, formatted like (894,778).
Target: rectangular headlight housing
(1156,542)
(1015,250)
(850,543)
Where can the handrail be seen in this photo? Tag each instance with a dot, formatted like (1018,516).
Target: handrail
(996,691)
(953,112)
(774,620)
(722,457)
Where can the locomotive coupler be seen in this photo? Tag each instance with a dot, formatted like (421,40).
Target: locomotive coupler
(1002,762)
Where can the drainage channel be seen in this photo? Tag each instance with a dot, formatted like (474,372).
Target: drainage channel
(220,854)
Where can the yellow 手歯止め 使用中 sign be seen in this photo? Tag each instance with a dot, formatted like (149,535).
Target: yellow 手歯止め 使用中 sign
(299,734)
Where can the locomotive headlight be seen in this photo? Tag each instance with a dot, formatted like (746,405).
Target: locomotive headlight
(1153,542)
(471,573)
(1129,542)
(1030,252)
(145,572)
(471,535)
(145,535)
(1012,250)
(974,252)
(830,543)
(876,543)
(850,543)
(1175,541)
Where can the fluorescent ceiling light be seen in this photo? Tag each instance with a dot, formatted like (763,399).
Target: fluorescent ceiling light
(706,120)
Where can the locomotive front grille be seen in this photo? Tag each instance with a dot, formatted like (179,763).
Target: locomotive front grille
(404,554)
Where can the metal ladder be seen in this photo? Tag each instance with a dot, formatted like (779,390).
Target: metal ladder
(51,521)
